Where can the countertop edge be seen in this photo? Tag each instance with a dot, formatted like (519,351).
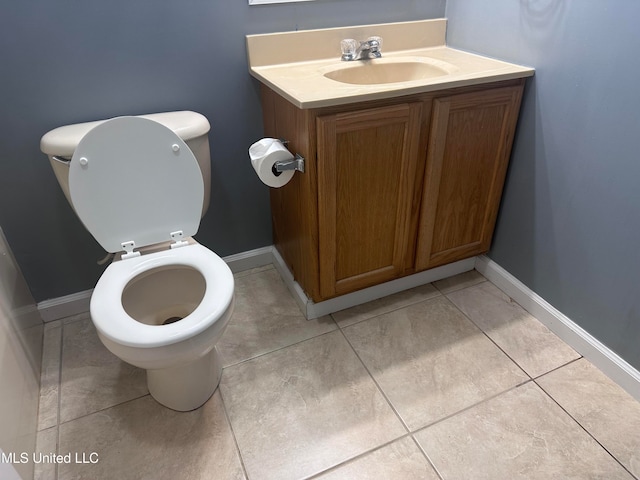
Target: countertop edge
(524,72)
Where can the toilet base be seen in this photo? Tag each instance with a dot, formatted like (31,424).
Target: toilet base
(188,386)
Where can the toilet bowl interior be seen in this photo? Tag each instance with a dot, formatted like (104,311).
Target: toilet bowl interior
(163,295)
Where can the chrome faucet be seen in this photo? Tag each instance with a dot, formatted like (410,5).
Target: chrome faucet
(354,50)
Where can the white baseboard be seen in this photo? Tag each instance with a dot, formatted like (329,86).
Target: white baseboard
(61,307)
(575,336)
(313,310)
(250,259)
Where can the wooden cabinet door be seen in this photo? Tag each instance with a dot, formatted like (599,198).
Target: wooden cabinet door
(366,167)
(468,152)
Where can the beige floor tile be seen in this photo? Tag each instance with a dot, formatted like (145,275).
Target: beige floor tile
(609,413)
(527,341)
(46,444)
(521,434)
(401,460)
(266,318)
(377,307)
(50,378)
(305,408)
(431,361)
(92,377)
(143,440)
(458,282)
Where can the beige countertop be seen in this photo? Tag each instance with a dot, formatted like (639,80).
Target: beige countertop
(294,64)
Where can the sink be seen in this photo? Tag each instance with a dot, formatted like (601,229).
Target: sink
(305,68)
(380,71)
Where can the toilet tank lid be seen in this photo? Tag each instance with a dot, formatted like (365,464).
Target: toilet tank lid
(62,141)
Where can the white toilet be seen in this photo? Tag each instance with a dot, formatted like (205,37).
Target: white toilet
(140,185)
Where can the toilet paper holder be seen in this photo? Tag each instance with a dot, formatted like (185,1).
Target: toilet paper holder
(297,163)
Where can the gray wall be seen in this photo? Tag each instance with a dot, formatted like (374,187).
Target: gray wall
(569,226)
(65,62)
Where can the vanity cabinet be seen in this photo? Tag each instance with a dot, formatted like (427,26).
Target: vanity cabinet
(391,187)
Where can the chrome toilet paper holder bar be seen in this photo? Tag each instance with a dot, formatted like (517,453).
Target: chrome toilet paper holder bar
(297,163)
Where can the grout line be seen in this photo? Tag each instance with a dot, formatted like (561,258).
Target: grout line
(338,328)
(281,348)
(59,387)
(489,338)
(433,465)
(40,467)
(533,379)
(358,456)
(505,352)
(384,395)
(584,428)
(557,368)
(408,430)
(59,419)
(272,266)
(110,406)
(411,433)
(469,407)
(233,433)
(530,379)
(57,466)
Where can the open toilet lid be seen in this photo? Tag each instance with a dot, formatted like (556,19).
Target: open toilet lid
(133,179)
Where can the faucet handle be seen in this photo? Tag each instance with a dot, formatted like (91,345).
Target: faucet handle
(376,39)
(349,47)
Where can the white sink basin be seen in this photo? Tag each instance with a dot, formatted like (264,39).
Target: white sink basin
(380,71)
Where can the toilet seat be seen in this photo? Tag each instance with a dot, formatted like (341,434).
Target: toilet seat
(133,182)
(112,321)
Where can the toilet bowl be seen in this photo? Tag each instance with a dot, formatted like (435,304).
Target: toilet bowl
(166,300)
(165,312)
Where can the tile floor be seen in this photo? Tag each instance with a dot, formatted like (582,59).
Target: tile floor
(446,381)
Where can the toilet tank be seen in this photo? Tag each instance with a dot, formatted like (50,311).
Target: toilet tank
(193,128)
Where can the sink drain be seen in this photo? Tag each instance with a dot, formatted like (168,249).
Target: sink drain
(171,320)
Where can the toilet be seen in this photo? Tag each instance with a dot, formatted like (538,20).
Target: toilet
(140,185)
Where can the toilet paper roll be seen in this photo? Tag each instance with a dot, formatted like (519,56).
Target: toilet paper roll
(264,154)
